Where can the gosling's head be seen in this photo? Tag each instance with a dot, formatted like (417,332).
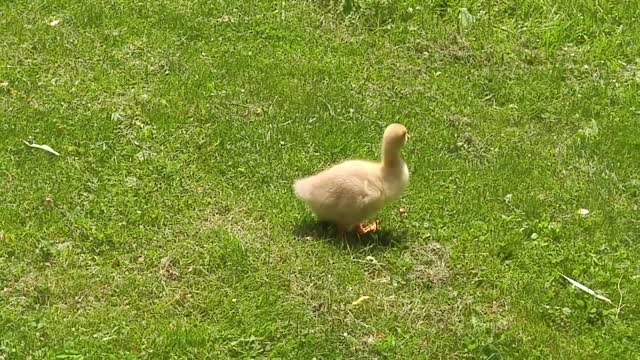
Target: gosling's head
(395,136)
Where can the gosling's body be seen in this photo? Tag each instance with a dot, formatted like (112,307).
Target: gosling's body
(353,191)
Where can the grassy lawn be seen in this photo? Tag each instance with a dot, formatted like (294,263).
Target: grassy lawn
(168,228)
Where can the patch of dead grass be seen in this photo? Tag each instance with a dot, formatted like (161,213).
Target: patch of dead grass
(235,220)
(455,48)
(430,264)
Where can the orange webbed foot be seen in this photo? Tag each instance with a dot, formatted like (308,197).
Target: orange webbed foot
(365,229)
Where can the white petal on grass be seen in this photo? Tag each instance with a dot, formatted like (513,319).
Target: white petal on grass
(587,290)
(360,300)
(55,22)
(46,148)
(583,212)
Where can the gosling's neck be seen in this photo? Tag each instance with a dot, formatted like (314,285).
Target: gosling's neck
(391,157)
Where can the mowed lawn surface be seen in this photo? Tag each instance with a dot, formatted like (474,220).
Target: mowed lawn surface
(167,227)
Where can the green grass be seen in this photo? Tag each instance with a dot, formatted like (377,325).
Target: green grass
(168,228)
